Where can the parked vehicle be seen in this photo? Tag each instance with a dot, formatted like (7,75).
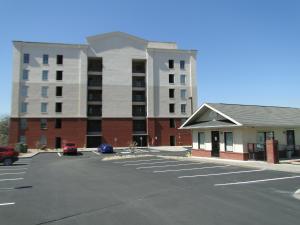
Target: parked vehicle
(8,156)
(106,148)
(69,148)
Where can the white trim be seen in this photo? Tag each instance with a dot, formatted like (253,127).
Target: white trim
(217,111)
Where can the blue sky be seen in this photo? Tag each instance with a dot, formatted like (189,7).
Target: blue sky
(248,50)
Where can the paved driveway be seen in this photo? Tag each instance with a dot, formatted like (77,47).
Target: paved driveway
(50,189)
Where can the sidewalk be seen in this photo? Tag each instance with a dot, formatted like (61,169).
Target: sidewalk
(33,152)
(285,166)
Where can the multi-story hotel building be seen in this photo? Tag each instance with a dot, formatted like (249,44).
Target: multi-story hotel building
(115,89)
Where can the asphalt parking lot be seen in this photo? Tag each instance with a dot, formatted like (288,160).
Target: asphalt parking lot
(55,189)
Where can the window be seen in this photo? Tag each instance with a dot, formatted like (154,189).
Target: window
(44,92)
(183,94)
(201,140)
(182,79)
(228,138)
(43,140)
(172,123)
(24,107)
(43,123)
(171,64)
(59,91)
(183,108)
(45,75)
(58,107)
(172,141)
(22,139)
(59,59)
(171,108)
(44,107)
(171,78)
(58,123)
(25,75)
(59,75)
(139,125)
(182,64)
(24,91)
(45,59)
(23,124)
(26,58)
(171,93)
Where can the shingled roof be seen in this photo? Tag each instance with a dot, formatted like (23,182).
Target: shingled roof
(250,115)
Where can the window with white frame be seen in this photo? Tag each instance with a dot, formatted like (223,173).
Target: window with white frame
(183,108)
(43,140)
(26,58)
(24,107)
(228,139)
(45,59)
(25,75)
(182,79)
(24,91)
(44,92)
(22,139)
(43,123)
(23,123)
(45,75)
(183,94)
(44,107)
(201,140)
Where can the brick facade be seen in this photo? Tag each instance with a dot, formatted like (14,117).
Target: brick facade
(223,155)
(272,151)
(117,132)
(159,132)
(72,130)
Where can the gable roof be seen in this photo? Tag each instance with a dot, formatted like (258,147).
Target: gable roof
(251,115)
(116,33)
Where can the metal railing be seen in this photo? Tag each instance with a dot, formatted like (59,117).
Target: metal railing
(257,151)
(288,151)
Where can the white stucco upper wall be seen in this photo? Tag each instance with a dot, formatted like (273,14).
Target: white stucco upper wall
(162,45)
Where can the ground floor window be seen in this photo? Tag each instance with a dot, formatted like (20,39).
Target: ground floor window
(201,141)
(228,137)
(22,139)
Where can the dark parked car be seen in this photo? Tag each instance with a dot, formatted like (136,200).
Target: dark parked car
(69,148)
(8,155)
(105,148)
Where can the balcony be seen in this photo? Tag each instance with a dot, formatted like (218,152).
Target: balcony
(139,66)
(94,81)
(95,64)
(139,126)
(138,82)
(94,110)
(94,126)
(94,95)
(139,110)
(138,96)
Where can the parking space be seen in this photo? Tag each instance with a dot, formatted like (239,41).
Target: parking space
(11,180)
(217,175)
(85,189)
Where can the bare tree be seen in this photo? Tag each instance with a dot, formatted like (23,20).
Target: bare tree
(4,126)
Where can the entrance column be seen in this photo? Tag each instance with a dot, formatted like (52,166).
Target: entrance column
(272,151)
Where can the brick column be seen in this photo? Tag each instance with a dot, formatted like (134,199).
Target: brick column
(272,152)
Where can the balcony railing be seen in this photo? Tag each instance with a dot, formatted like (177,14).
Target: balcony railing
(288,151)
(257,151)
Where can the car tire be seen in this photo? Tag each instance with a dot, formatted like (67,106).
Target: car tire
(7,162)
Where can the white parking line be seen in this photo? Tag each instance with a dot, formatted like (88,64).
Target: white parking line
(143,160)
(258,181)
(13,169)
(148,163)
(11,179)
(186,169)
(172,165)
(97,153)
(219,174)
(2,174)
(7,203)
(59,154)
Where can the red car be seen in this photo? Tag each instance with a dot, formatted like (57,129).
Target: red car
(8,156)
(69,148)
